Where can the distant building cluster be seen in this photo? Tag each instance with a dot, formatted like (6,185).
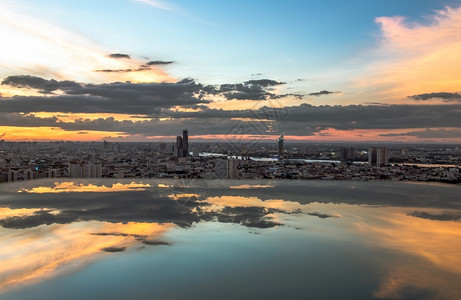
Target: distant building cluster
(279,159)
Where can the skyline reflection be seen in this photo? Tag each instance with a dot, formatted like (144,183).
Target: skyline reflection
(414,245)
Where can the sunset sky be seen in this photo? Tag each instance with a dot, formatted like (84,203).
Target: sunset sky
(142,70)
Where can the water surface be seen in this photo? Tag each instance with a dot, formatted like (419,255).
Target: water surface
(240,239)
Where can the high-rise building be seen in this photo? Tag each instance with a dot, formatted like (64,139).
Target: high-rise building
(185,142)
(179,146)
(346,153)
(281,142)
(378,156)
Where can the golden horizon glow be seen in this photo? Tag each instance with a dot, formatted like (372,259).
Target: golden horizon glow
(14,133)
(70,186)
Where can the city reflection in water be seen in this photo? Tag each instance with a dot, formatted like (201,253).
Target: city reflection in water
(414,243)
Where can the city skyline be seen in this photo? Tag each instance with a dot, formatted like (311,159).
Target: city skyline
(142,70)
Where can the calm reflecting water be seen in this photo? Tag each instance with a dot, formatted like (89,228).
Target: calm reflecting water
(166,239)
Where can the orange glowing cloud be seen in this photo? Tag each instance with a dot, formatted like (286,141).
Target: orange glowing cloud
(67,248)
(218,203)
(414,58)
(6,212)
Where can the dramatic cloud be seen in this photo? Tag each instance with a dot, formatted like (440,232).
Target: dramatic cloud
(447,97)
(119,55)
(321,93)
(304,119)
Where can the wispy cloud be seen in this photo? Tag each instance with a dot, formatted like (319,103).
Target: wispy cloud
(158,4)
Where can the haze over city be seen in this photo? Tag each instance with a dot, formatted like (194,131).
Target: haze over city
(142,70)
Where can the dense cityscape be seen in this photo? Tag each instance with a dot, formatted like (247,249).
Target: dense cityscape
(229,159)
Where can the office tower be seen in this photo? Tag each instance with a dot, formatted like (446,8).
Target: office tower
(179,146)
(378,156)
(281,146)
(185,141)
(346,153)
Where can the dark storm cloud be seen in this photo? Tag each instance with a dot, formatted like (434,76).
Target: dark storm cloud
(119,55)
(444,216)
(44,85)
(447,97)
(321,93)
(159,63)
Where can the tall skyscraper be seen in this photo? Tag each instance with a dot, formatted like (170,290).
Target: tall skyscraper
(185,141)
(281,146)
